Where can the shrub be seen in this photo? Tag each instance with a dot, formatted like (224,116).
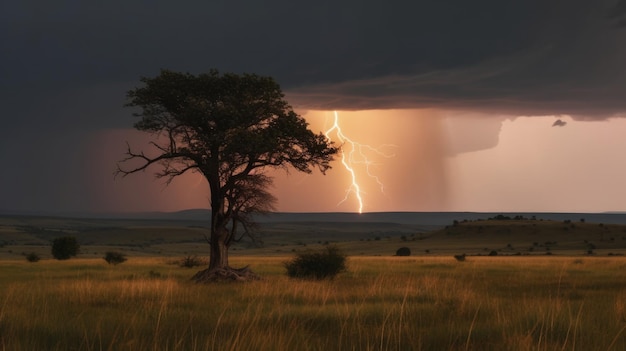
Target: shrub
(460,258)
(65,247)
(403,251)
(32,257)
(326,263)
(114,258)
(191,261)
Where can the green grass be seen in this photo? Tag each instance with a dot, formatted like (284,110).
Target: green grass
(392,303)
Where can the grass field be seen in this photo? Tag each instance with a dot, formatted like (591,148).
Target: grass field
(522,299)
(381,303)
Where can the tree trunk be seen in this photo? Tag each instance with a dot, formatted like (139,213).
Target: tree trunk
(219,270)
(219,249)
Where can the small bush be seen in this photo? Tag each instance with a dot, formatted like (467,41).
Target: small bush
(191,261)
(403,251)
(460,258)
(65,247)
(32,257)
(114,258)
(319,265)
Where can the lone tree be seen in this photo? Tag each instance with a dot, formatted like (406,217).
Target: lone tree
(229,128)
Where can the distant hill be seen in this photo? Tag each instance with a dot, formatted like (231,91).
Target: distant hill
(428,219)
(532,236)
(413,218)
(434,233)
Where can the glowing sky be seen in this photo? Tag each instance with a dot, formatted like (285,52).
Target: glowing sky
(436,161)
(485,106)
(439,164)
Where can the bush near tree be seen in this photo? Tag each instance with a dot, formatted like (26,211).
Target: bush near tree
(403,251)
(32,257)
(65,247)
(191,261)
(326,263)
(114,258)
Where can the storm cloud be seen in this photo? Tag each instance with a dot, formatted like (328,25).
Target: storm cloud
(68,61)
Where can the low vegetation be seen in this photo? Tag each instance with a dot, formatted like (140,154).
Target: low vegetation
(114,257)
(65,247)
(321,264)
(460,258)
(379,303)
(403,251)
(191,261)
(32,257)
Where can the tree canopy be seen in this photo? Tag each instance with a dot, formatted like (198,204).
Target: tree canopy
(230,128)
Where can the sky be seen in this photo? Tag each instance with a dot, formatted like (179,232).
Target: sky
(485,105)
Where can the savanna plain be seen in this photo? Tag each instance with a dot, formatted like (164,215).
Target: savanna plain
(523,285)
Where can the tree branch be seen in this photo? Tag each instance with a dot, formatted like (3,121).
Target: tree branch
(166,158)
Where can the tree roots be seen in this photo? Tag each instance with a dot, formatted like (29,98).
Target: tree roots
(225,274)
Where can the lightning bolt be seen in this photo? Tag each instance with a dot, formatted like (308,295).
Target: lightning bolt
(357,155)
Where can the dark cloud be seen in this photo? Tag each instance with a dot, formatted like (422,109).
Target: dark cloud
(559,123)
(45,170)
(618,13)
(618,10)
(529,57)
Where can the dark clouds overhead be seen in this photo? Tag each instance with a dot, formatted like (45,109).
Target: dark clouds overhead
(618,13)
(71,62)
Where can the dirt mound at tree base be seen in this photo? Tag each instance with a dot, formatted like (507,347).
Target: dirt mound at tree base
(225,274)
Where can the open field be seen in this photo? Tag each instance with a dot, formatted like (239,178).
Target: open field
(554,285)
(381,303)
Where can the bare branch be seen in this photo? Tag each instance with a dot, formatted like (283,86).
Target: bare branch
(162,148)
(173,173)
(166,158)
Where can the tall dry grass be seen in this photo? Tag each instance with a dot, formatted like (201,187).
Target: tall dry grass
(380,304)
